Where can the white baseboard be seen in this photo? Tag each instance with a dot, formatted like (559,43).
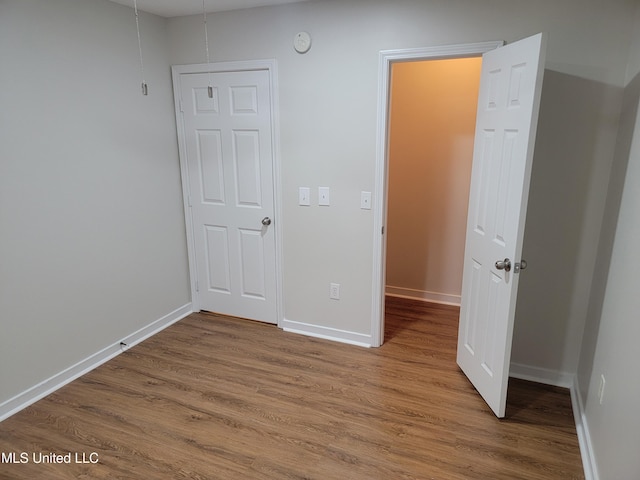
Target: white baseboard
(44,388)
(342,336)
(541,375)
(584,438)
(433,297)
(570,381)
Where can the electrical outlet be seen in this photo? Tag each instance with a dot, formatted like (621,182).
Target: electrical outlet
(601,389)
(334,291)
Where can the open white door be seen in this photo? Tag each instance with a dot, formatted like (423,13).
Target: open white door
(507,118)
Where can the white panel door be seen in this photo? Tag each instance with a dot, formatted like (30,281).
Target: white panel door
(508,102)
(229,153)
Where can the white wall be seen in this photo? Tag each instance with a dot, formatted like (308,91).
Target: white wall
(610,340)
(633,67)
(91,226)
(572,163)
(328,137)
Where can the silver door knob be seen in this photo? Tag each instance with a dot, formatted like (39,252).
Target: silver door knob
(504,265)
(266,221)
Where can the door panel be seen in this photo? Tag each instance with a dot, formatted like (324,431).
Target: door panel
(211,166)
(247,168)
(217,258)
(506,123)
(252,261)
(229,158)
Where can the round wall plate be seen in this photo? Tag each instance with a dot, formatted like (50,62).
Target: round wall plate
(302,42)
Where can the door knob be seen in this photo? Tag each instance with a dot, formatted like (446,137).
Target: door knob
(266,221)
(504,265)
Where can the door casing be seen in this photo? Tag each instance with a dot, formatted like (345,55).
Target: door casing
(386,59)
(270,65)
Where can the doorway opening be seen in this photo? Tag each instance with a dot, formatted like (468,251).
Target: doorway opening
(432,119)
(383,208)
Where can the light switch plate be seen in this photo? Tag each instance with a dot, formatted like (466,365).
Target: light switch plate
(323,196)
(304,196)
(334,291)
(365,200)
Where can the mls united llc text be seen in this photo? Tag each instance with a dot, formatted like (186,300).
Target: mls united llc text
(39,457)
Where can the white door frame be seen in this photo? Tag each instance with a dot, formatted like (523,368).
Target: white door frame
(270,65)
(386,59)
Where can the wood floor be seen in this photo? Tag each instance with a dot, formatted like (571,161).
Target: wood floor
(220,398)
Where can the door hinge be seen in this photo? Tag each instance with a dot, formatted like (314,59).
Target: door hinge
(382,230)
(181,106)
(189,201)
(197,286)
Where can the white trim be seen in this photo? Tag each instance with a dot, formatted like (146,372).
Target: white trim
(582,429)
(271,66)
(277,188)
(386,59)
(176,71)
(50,385)
(462,50)
(541,375)
(423,295)
(334,334)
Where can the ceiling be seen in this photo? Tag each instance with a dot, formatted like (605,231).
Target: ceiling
(177,8)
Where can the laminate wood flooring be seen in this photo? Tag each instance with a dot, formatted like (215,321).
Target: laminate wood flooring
(214,397)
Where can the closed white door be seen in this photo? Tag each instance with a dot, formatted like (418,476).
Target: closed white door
(227,132)
(510,86)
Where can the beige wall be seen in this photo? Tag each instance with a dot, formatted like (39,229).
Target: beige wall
(92,241)
(610,341)
(432,122)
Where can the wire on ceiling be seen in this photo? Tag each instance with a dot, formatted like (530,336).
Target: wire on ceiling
(206,45)
(145,89)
